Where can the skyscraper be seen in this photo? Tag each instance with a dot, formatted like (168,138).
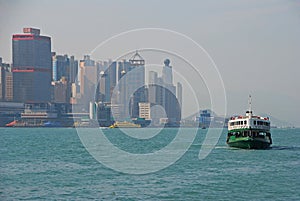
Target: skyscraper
(167,74)
(179,94)
(60,67)
(88,77)
(89,74)
(131,85)
(111,79)
(73,70)
(64,66)
(153,77)
(32,67)
(54,66)
(8,86)
(162,93)
(2,80)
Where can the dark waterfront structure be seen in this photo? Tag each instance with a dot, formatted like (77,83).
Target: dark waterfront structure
(32,67)
(10,111)
(104,115)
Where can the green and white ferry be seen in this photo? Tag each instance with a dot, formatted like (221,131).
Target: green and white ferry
(249,132)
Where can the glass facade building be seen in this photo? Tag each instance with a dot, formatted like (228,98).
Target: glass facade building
(131,86)
(32,66)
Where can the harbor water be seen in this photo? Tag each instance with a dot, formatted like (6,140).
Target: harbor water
(53,164)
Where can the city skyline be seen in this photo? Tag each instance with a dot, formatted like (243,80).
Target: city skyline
(263,53)
(104,85)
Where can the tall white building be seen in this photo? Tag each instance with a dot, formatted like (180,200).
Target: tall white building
(167,74)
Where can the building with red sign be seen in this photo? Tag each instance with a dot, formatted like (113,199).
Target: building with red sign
(32,67)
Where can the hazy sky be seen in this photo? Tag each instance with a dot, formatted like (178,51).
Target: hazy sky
(255,44)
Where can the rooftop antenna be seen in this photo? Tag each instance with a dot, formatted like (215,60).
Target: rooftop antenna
(137,60)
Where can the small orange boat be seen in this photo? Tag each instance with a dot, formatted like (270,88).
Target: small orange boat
(11,124)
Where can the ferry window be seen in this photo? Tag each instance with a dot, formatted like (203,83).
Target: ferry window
(254,122)
(245,122)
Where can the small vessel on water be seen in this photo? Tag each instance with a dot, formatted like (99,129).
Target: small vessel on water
(124,124)
(11,124)
(249,132)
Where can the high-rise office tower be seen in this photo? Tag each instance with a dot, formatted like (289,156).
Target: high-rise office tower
(162,92)
(111,79)
(6,83)
(153,77)
(9,95)
(64,74)
(89,74)
(64,66)
(54,66)
(73,70)
(2,80)
(60,67)
(179,93)
(167,74)
(32,67)
(88,77)
(131,85)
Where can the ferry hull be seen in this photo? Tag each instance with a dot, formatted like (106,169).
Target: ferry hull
(249,143)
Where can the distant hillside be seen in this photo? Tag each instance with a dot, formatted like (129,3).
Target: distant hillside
(196,114)
(274,121)
(277,122)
